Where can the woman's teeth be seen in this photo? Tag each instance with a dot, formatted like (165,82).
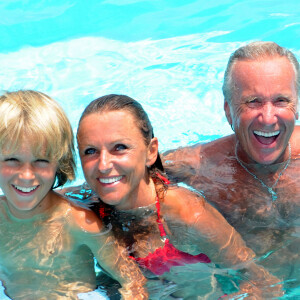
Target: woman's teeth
(110,179)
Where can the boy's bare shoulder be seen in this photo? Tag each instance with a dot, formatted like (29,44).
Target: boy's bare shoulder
(86,219)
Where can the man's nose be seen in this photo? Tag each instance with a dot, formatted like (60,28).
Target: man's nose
(269,114)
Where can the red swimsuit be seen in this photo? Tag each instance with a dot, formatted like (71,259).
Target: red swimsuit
(162,259)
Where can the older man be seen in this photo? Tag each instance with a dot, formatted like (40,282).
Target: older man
(252,177)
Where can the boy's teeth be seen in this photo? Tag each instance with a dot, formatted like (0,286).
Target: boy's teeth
(266,134)
(110,180)
(25,189)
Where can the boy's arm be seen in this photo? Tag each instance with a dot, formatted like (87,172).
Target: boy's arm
(111,256)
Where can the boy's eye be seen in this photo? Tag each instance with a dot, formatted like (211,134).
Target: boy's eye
(11,159)
(120,147)
(43,160)
(89,151)
(40,163)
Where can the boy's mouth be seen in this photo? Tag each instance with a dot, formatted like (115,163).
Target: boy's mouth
(25,189)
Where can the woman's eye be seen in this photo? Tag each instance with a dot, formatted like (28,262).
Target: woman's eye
(120,147)
(89,151)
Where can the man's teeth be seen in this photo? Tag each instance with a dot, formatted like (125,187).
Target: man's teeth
(25,189)
(110,179)
(266,134)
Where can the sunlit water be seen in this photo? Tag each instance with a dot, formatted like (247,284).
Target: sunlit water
(168,55)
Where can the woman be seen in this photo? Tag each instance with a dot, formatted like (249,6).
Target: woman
(171,232)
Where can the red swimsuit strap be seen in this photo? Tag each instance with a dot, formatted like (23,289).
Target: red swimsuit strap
(158,220)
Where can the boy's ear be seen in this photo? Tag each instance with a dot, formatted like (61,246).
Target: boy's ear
(152,152)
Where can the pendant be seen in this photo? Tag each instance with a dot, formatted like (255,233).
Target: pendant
(273,194)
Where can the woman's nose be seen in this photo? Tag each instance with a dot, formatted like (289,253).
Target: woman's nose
(104,165)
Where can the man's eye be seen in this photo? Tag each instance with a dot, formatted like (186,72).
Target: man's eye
(120,147)
(89,151)
(254,102)
(282,101)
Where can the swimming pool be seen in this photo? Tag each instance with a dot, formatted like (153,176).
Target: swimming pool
(169,54)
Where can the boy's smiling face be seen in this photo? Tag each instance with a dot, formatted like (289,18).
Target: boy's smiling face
(25,179)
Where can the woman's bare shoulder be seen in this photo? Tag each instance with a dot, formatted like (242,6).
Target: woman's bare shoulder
(183,203)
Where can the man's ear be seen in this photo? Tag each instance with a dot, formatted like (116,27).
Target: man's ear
(297,115)
(152,152)
(228,113)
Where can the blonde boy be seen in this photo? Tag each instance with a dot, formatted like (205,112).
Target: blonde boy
(47,244)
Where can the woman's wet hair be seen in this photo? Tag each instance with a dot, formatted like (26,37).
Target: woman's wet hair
(115,102)
(32,117)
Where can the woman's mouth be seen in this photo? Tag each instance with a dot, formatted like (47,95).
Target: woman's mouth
(266,138)
(109,180)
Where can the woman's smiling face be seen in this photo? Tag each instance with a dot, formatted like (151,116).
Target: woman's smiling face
(114,157)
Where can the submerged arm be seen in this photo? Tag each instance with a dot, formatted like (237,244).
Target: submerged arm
(215,237)
(111,256)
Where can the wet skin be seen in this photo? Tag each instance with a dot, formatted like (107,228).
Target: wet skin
(263,108)
(114,159)
(26,180)
(47,244)
(114,162)
(263,114)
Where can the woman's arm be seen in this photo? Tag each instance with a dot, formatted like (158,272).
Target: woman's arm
(215,237)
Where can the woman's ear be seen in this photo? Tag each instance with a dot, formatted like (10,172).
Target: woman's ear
(152,152)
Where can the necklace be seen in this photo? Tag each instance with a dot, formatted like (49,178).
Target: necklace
(270,189)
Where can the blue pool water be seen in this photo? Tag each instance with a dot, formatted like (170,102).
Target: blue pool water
(169,54)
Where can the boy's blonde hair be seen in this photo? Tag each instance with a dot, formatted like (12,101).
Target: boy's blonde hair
(34,117)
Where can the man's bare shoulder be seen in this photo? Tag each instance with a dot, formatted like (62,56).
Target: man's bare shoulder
(223,147)
(295,141)
(216,150)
